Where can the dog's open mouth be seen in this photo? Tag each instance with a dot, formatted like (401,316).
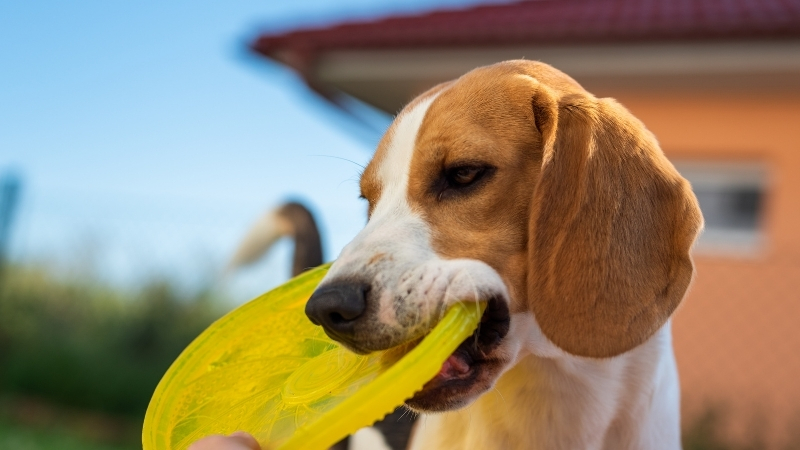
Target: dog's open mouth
(461,374)
(477,348)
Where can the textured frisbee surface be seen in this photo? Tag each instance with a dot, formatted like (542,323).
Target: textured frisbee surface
(266,369)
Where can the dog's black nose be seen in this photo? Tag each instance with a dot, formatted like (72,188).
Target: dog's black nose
(336,307)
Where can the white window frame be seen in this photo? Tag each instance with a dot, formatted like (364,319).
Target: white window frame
(719,175)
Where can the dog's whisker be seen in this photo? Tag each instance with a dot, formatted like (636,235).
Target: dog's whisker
(343,159)
(351,179)
(497,391)
(406,410)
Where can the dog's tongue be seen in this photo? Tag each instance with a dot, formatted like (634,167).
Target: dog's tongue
(453,367)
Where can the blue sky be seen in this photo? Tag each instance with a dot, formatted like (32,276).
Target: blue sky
(148,139)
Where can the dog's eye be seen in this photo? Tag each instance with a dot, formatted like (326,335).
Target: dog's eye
(459,180)
(464,176)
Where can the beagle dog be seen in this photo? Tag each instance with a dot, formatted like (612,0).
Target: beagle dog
(515,186)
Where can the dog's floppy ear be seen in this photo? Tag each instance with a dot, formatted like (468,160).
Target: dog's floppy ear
(612,223)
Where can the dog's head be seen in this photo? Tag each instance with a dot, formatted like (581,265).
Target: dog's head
(515,186)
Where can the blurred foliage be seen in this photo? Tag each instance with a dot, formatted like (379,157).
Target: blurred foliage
(706,433)
(78,342)
(23,438)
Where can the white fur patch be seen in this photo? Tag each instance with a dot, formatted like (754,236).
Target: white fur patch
(396,167)
(368,439)
(410,283)
(392,220)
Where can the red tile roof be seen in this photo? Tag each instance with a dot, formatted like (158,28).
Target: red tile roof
(548,22)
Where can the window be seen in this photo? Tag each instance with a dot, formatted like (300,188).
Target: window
(731,196)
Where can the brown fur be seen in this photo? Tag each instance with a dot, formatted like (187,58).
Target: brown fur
(588,226)
(587,222)
(611,227)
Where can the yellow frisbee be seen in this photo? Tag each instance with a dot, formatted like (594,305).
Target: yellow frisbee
(266,369)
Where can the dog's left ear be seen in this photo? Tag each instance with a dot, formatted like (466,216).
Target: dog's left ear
(612,223)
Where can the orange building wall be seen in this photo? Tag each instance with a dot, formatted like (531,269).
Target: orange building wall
(737,334)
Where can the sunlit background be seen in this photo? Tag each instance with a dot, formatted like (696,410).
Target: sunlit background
(139,141)
(146,137)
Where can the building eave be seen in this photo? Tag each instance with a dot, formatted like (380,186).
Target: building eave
(648,45)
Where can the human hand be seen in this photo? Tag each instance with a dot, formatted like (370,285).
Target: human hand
(236,441)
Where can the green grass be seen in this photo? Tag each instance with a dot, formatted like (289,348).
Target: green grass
(18,437)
